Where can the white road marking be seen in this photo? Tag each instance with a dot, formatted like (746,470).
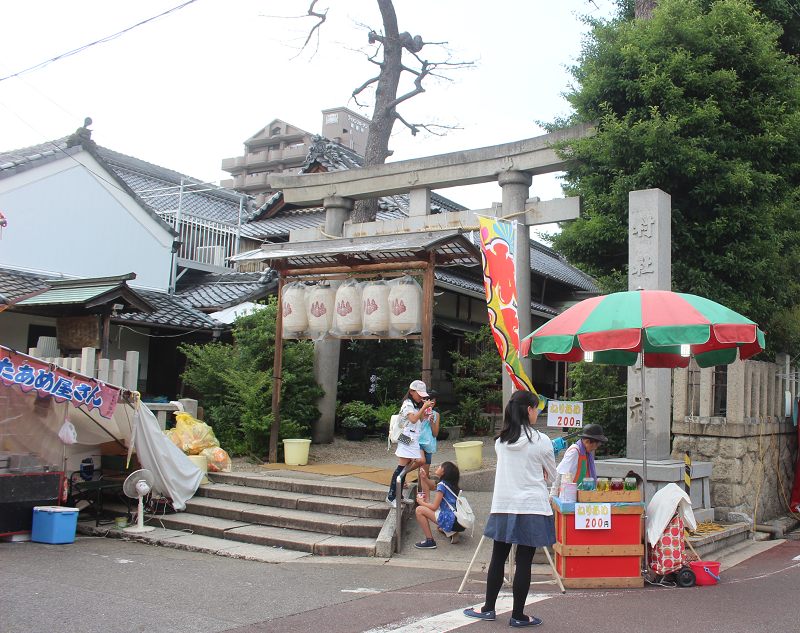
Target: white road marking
(362,590)
(452,619)
(796,557)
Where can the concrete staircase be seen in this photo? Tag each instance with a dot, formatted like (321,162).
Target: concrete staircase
(322,517)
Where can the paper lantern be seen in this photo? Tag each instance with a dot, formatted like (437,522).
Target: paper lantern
(295,320)
(375,304)
(348,309)
(320,305)
(405,307)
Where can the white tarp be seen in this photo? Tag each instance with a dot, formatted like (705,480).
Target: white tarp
(176,476)
(663,506)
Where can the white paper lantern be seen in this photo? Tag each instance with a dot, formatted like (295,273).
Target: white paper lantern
(294,309)
(348,309)
(405,307)
(320,306)
(375,304)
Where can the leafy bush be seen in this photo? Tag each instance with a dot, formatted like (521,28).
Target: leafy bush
(235,384)
(359,411)
(474,380)
(394,363)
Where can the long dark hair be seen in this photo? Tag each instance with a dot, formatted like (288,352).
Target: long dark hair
(408,396)
(450,476)
(515,418)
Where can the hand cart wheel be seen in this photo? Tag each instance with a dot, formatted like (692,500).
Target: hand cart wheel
(685,577)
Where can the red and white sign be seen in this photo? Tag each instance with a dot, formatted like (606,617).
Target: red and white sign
(565,414)
(592,516)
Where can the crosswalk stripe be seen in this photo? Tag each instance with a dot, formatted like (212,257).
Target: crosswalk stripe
(452,619)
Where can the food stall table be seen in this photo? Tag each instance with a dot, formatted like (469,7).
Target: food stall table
(597,557)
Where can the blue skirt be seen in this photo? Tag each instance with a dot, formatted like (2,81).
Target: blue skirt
(534,530)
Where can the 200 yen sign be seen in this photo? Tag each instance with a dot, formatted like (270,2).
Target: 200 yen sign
(565,414)
(592,516)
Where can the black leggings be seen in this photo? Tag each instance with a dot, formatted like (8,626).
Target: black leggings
(522,577)
(393,482)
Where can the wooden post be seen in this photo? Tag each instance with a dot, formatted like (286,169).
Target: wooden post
(276,376)
(105,324)
(428,282)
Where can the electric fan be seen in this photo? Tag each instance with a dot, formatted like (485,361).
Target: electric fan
(136,486)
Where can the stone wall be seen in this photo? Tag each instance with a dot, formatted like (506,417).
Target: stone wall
(753,464)
(753,449)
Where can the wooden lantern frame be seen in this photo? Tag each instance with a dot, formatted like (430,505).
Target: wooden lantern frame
(364,257)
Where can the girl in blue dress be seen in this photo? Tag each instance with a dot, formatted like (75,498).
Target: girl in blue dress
(442,510)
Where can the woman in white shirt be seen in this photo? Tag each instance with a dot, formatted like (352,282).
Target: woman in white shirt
(415,406)
(521,513)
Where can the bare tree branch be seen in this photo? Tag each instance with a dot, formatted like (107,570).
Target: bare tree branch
(417,90)
(415,127)
(363,86)
(321,17)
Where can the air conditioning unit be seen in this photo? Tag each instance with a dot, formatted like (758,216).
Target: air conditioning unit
(214,255)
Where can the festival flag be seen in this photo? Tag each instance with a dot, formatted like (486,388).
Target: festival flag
(497,248)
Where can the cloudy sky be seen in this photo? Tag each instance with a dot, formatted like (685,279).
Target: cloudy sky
(186,90)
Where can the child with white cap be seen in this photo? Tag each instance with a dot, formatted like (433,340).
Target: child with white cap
(414,408)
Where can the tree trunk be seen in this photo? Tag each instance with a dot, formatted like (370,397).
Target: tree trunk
(644,9)
(380,129)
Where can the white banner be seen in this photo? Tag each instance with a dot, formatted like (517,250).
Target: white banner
(565,414)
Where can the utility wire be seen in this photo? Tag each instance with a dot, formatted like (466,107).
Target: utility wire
(100,41)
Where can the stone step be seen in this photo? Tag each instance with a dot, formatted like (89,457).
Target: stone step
(365,508)
(306,520)
(323,544)
(324,486)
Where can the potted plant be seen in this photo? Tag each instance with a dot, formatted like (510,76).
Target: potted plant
(384,415)
(449,428)
(354,429)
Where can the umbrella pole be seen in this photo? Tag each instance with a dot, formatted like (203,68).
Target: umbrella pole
(644,434)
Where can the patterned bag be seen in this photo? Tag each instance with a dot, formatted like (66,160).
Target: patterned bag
(668,554)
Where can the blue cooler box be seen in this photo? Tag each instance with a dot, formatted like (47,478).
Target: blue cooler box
(54,524)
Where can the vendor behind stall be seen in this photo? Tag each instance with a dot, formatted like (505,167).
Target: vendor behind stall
(579,458)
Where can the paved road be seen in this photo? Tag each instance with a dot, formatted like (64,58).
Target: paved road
(105,585)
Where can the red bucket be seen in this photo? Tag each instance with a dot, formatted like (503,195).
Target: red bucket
(707,572)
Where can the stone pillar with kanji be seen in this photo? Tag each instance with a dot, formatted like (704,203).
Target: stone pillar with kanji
(649,268)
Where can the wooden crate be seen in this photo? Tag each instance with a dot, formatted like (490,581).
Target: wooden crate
(600,558)
(609,496)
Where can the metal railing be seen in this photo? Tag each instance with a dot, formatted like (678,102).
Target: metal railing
(198,232)
(398,505)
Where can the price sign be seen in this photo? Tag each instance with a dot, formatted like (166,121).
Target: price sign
(592,516)
(565,414)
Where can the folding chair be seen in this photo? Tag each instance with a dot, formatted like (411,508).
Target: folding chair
(105,486)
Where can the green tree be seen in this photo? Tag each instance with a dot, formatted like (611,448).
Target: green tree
(603,385)
(235,384)
(705,106)
(476,378)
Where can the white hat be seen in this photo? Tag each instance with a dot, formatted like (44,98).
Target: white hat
(419,387)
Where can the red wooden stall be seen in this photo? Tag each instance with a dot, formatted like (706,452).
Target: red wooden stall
(597,558)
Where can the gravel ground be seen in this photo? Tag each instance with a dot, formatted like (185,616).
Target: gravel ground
(342,451)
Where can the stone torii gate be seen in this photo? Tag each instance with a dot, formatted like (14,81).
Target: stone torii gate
(511,165)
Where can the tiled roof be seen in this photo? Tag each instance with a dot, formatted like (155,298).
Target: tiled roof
(172,311)
(18,158)
(222,291)
(548,263)
(218,204)
(169,310)
(454,278)
(141,178)
(15,284)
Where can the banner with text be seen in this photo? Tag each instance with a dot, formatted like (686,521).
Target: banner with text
(31,374)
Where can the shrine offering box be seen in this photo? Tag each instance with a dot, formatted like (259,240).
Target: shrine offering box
(600,558)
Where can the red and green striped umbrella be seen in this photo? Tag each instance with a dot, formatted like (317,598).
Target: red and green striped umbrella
(617,327)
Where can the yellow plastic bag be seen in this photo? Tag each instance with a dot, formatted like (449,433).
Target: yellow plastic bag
(191,435)
(218,460)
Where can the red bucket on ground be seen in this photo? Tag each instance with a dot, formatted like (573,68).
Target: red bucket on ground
(707,572)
